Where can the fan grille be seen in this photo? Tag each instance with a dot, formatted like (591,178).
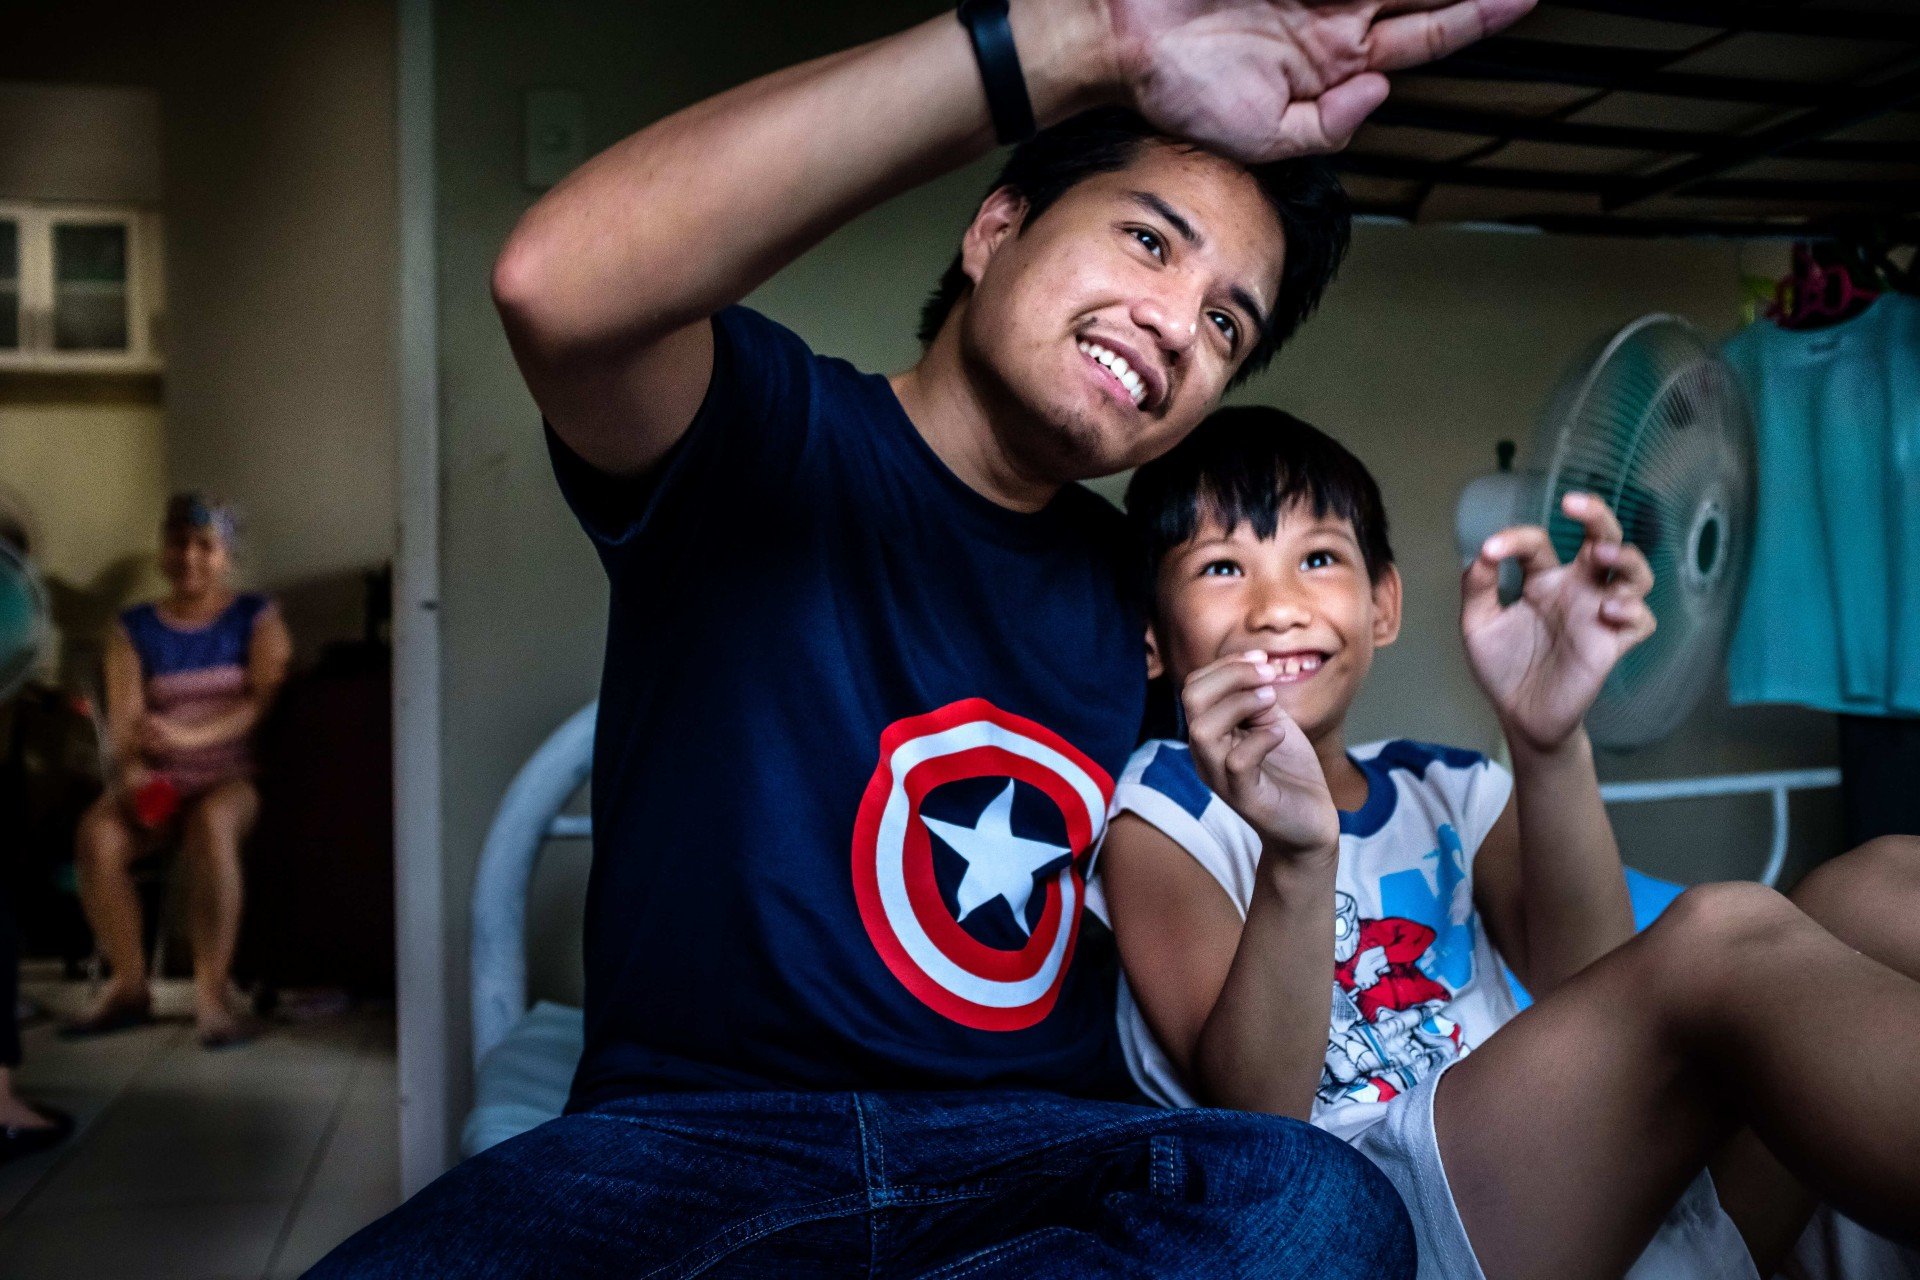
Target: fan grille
(1656,424)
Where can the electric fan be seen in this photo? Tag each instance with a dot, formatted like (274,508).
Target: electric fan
(1653,421)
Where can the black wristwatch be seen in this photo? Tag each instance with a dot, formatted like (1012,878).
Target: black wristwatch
(1007,101)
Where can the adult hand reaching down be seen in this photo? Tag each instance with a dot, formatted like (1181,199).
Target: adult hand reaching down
(1267,79)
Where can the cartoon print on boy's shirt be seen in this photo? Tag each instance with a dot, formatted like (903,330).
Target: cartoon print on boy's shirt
(1393,978)
(1445,905)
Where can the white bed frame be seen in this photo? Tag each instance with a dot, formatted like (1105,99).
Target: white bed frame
(530,814)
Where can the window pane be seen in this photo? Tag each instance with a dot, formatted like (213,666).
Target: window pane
(9,284)
(90,287)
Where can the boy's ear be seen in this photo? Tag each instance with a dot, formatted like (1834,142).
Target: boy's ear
(1386,608)
(1155,667)
(1001,215)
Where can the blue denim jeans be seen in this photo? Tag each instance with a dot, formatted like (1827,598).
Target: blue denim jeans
(882,1185)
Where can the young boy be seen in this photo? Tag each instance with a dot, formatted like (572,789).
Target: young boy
(1567,1143)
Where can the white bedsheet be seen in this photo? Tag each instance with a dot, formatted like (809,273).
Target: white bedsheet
(522,1082)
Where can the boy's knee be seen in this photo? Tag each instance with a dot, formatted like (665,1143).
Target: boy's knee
(1728,913)
(1840,891)
(1713,929)
(1884,863)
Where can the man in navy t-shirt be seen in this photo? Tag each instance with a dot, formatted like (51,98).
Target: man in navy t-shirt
(859,725)
(872,666)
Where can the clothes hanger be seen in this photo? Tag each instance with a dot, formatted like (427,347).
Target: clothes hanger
(1831,281)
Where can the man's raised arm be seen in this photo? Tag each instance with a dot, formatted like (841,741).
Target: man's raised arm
(607,283)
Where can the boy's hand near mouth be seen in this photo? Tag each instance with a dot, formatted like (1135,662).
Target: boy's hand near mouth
(1253,756)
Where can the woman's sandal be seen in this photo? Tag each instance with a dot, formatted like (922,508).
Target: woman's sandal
(20,1141)
(228,1037)
(115,1017)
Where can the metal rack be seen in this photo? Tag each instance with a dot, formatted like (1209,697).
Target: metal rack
(1778,786)
(1640,117)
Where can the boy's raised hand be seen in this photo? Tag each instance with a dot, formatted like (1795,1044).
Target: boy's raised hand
(1543,658)
(1267,79)
(1253,756)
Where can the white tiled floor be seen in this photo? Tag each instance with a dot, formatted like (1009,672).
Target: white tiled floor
(247,1162)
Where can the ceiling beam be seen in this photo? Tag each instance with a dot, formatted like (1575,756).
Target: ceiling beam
(1891,93)
(1494,177)
(1676,228)
(1789,228)
(1510,58)
(1888,194)
(1508,127)
(1869,192)
(1764,18)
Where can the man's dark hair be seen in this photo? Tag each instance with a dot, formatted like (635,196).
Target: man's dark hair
(1251,463)
(1307,199)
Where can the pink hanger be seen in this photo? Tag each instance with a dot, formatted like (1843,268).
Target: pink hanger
(1813,295)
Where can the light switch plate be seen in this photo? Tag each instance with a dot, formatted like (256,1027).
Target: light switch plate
(555,135)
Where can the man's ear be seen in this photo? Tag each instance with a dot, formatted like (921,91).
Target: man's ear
(1155,667)
(1001,215)
(1386,608)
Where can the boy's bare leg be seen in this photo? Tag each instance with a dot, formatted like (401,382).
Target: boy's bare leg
(216,828)
(1870,900)
(105,848)
(1568,1135)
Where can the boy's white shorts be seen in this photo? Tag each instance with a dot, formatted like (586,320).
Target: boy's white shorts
(1696,1242)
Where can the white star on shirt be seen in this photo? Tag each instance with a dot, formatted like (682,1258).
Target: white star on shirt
(1000,864)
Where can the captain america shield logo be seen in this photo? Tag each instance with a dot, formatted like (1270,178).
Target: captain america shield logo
(1019,807)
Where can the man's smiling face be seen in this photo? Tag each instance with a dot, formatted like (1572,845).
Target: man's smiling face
(1108,327)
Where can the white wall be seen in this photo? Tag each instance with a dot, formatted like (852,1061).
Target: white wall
(281,243)
(80,142)
(87,456)
(272,152)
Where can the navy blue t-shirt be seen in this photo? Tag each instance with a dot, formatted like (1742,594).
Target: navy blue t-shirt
(859,726)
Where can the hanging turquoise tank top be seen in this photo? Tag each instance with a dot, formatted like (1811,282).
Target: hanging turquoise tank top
(1831,617)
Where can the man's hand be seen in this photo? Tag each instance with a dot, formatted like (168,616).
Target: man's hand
(1257,759)
(1267,79)
(1543,658)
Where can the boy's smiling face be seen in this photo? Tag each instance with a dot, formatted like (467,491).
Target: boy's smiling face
(1302,596)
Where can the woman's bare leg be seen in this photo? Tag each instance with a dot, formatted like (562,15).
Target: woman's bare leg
(1870,900)
(217,824)
(1570,1133)
(105,848)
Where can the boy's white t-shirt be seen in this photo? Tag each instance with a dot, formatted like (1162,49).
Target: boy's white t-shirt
(1417,983)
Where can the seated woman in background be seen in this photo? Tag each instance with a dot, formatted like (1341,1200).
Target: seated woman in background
(187,680)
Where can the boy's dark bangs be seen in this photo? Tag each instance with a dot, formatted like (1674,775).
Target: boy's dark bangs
(1259,500)
(1251,465)
(1254,489)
